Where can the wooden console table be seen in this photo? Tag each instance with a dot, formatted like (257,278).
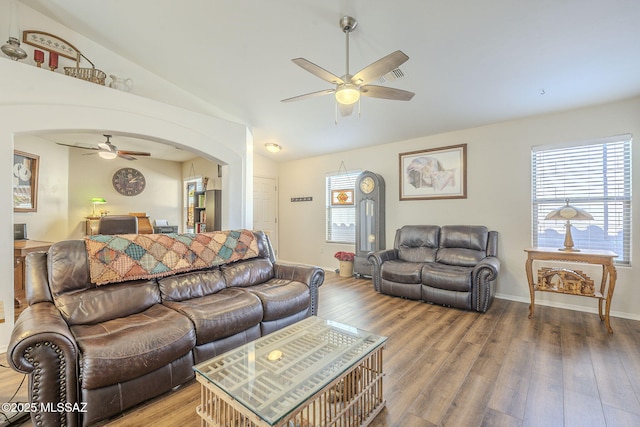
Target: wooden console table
(21,248)
(573,282)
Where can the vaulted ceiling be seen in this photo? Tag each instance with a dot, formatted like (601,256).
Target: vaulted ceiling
(471,62)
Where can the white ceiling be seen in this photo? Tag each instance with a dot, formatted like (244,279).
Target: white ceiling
(471,62)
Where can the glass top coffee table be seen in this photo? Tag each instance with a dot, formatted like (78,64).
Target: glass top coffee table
(313,373)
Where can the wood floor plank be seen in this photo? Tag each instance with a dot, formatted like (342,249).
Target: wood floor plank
(451,367)
(582,410)
(614,386)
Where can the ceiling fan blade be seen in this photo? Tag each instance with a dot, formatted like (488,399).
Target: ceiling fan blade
(133,153)
(318,71)
(76,146)
(309,95)
(379,68)
(383,92)
(125,156)
(345,109)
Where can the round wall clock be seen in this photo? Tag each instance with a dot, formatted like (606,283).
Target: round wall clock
(367,185)
(128,181)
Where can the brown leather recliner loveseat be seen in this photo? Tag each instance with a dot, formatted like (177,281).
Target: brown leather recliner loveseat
(96,350)
(453,265)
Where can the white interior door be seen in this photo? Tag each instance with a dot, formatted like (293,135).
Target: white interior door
(265,211)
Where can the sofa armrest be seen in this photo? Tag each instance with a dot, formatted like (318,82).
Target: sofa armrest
(488,268)
(42,346)
(313,277)
(483,276)
(376,259)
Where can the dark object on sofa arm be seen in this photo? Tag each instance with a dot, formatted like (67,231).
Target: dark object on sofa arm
(453,265)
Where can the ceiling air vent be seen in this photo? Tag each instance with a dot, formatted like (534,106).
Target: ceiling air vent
(392,75)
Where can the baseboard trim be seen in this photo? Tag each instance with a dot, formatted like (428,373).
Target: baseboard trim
(566,306)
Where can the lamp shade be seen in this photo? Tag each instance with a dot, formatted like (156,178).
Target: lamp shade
(97,201)
(568,212)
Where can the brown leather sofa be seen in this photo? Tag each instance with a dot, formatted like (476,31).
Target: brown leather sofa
(453,265)
(98,350)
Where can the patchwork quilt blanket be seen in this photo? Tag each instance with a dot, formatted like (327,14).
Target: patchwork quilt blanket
(122,257)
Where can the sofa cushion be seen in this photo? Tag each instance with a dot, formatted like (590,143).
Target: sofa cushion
(220,315)
(462,245)
(103,303)
(450,277)
(417,243)
(402,272)
(247,273)
(191,285)
(79,300)
(281,298)
(121,349)
(405,290)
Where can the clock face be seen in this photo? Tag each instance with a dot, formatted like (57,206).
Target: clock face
(128,181)
(367,185)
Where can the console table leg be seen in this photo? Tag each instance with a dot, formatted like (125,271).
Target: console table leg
(612,275)
(528,266)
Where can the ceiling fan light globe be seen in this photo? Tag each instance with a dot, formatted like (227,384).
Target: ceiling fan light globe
(109,155)
(347,94)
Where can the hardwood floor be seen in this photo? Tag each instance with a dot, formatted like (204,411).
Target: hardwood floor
(446,367)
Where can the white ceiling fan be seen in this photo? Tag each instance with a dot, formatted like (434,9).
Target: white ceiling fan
(107,150)
(349,88)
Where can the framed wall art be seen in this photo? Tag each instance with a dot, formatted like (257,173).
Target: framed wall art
(342,197)
(25,181)
(437,173)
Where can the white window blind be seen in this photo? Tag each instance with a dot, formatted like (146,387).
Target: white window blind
(594,176)
(341,219)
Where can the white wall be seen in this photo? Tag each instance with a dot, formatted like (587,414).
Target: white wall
(499,194)
(91,176)
(50,222)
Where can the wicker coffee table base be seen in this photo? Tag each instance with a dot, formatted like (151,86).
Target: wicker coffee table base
(352,399)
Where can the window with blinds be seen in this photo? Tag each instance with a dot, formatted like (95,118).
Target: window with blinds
(341,219)
(594,176)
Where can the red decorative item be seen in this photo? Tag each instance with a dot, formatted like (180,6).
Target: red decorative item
(53,61)
(345,256)
(38,56)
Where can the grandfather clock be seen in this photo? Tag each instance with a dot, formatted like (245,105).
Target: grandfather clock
(369,220)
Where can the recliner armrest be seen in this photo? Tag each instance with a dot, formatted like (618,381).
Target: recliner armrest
(382,256)
(377,259)
(488,264)
(313,277)
(42,345)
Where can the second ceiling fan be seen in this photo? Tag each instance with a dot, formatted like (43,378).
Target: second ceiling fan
(107,150)
(349,88)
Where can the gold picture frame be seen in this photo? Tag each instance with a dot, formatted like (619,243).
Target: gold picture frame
(436,173)
(25,181)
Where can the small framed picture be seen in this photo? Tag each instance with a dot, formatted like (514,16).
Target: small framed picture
(342,197)
(25,181)
(437,173)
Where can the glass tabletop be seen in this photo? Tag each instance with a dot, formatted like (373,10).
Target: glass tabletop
(275,374)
